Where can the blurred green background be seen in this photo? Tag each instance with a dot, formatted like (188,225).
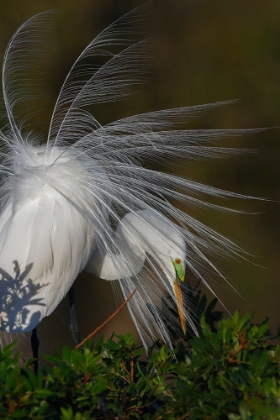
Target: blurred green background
(204,51)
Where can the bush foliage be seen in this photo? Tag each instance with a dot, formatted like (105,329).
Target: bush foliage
(230,372)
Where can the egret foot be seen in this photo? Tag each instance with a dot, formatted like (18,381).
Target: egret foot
(73,316)
(35,342)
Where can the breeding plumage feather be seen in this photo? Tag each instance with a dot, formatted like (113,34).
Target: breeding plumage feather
(62,201)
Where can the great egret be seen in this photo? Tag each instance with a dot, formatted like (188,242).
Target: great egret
(84,199)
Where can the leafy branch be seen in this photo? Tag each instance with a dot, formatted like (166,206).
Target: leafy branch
(232,371)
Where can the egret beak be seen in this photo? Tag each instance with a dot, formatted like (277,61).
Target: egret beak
(177,263)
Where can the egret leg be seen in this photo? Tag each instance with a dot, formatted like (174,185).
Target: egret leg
(73,316)
(35,342)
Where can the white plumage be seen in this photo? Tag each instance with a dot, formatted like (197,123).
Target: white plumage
(43,228)
(84,198)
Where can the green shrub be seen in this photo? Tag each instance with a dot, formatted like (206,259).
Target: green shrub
(229,372)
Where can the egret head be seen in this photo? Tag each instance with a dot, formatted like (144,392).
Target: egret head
(173,262)
(167,245)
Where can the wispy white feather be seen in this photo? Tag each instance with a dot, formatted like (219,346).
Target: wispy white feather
(85,198)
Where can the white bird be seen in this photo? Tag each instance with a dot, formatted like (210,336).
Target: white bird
(84,199)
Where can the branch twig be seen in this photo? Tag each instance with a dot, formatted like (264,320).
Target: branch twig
(107,320)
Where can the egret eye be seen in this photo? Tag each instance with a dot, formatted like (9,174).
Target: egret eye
(178,266)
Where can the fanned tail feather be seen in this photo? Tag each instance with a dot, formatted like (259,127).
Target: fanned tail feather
(95,176)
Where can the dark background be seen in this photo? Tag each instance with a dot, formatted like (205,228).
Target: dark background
(204,51)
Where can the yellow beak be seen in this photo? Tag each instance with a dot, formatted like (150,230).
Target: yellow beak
(180,305)
(177,263)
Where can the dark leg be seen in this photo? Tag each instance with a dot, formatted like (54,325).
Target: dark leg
(35,348)
(73,316)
